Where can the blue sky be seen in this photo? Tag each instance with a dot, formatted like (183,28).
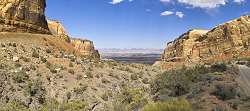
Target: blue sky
(140,23)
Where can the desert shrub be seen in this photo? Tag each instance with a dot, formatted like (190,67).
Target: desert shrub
(130,99)
(43,59)
(105,96)
(134,77)
(2,45)
(25,59)
(173,105)
(145,81)
(219,67)
(71,64)
(178,82)
(222,108)
(33,67)
(20,77)
(71,71)
(51,105)
(248,62)
(89,74)
(14,105)
(14,44)
(48,50)
(17,65)
(105,81)
(79,77)
(225,91)
(73,105)
(2,66)
(48,64)
(81,89)
(35,90)
(52,70)
(35,54)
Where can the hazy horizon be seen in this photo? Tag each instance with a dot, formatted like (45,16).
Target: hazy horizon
(140,23)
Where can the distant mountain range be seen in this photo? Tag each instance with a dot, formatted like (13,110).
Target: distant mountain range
(134,55)
(130,51)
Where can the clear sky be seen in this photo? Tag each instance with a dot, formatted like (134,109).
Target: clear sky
(140,23)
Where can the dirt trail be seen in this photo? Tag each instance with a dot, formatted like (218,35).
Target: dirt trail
(245,78)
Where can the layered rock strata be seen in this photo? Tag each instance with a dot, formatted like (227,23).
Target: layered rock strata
(85,48)
(223,43)
(57,29)
(23,16)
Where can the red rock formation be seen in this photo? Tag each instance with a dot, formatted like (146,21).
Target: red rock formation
(57,29)
(23,16)
(223,43)
(86,48)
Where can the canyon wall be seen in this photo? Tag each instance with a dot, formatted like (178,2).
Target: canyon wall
(85,48)
(225,42)
(57,29)
(23,16)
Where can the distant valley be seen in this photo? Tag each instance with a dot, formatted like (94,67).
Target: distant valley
(142,56)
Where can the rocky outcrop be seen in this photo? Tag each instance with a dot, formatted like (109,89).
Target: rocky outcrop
(181,48)
(23,16)
(57,29)
(223,43)
(85,48)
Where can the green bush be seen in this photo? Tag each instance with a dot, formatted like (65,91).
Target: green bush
(105,81)
(225,91)
(35,89)
(25,59)
(248,62)
(43,59)
(145,81)
(71,64)
(134,77)
(14,106)
(89,74)
(74,105)
(174,83)
(35,54)
(79,77)
(71,71)
(81,89)
(20,77)
(219,67)
(174,105)
(178,82)
(130,99)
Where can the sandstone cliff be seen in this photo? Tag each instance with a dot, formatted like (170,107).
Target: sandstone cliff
(23,16)
(57,29)
(223,43)
(83,47)
(181,48)
(86,48)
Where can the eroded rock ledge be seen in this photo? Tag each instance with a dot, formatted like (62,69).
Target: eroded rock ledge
(85,47)
(57,29)
(225,42)
(23,16)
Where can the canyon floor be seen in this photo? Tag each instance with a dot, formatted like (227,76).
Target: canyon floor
(43,73)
